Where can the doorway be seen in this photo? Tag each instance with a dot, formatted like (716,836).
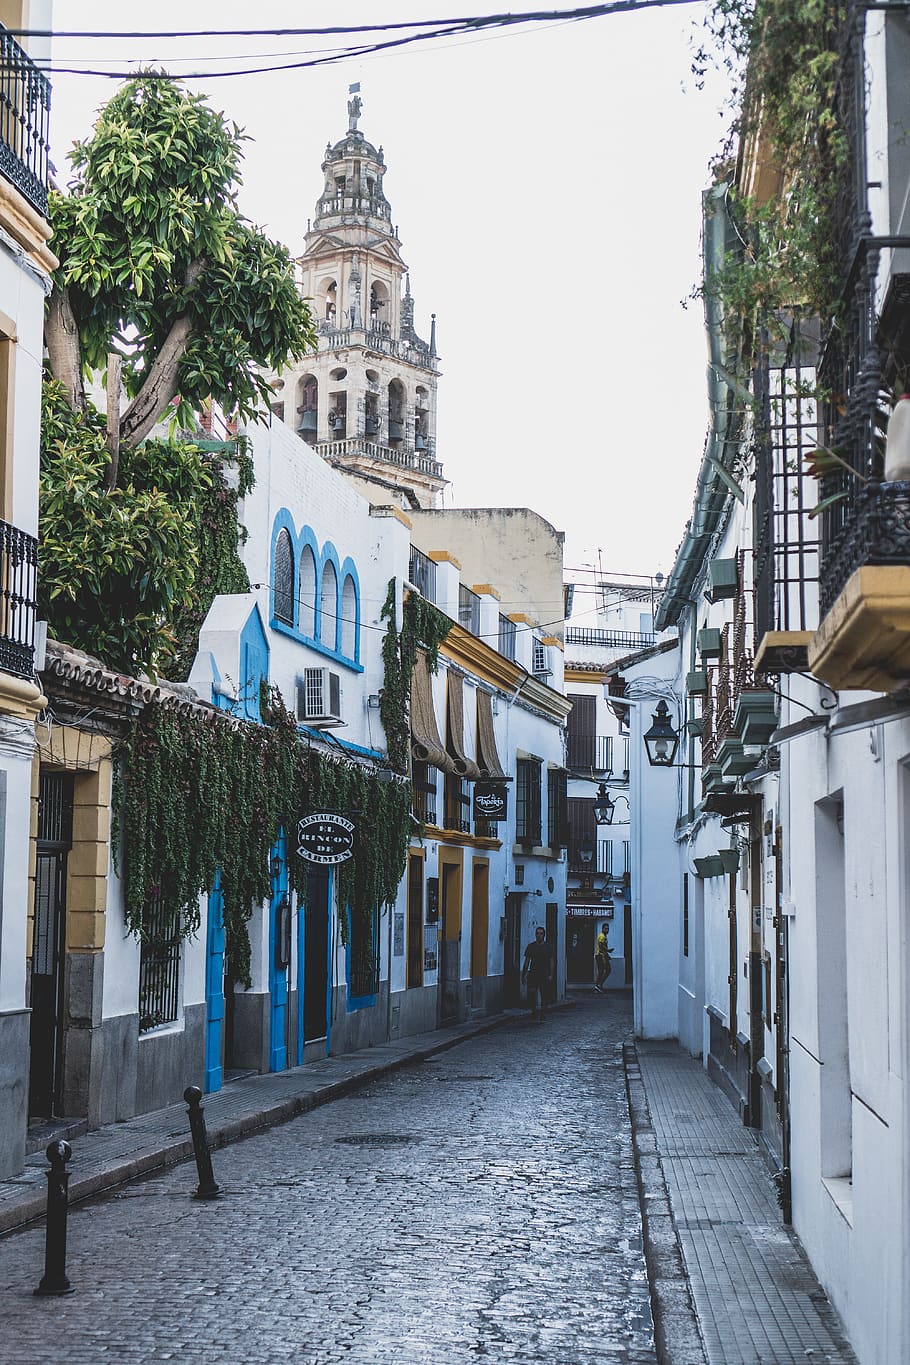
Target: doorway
(55,837)
(316,956)
(511,984)
(580,950)
(450,945)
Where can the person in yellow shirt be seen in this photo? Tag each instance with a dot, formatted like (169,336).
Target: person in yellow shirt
(602,957)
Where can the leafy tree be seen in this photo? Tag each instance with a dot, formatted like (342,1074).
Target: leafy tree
(163,284)
(157,266)
(120,570)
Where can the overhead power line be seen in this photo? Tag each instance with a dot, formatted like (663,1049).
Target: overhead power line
(407,33)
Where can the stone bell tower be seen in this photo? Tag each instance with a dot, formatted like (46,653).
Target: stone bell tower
(366,400)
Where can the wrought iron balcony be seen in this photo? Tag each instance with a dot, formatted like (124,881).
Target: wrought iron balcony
(609,639)
(18,580)
(25,103)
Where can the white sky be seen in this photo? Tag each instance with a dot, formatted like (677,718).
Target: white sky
(546,187)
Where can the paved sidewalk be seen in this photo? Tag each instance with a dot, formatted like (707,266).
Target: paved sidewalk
(754,1294)
(122,1151)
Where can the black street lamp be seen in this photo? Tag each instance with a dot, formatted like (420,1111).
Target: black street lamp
(604,806)
(661,741)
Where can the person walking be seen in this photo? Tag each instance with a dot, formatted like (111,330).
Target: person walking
(602,958)
(538,971)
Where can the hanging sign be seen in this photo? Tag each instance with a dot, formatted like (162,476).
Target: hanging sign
(490,802)
(325,838)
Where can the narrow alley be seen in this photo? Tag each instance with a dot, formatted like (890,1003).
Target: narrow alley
(481,1205)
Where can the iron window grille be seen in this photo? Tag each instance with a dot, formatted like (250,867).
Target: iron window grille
(786,554)
(507,637)
(457,804)
(423,789)
(527,800)
(540,659)
(468,609)
(364,957)
(159,965)
(283,605)
(18,588)
(422,573)
(557,808)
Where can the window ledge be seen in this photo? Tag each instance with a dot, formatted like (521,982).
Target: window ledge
(281,628)
(172,1026)
(840,1188)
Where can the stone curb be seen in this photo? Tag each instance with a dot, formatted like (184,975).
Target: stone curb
(18,1213)
(677,1335)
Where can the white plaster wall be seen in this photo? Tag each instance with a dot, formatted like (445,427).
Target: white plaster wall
(859,1254)
(16,748)
(120,994)
(656,883)
(22,299)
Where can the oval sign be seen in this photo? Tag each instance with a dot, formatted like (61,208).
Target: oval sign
(325,838)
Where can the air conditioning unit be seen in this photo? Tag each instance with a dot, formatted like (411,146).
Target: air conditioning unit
(319,697)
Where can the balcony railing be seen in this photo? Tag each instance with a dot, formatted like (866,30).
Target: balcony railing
(609,639)
(590,753)
(374,339)
(25,103)
(354,446)
(18,578)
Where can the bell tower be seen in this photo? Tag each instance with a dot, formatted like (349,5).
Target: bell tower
(366,400)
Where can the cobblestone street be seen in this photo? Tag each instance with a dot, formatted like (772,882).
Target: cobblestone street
(478,1206)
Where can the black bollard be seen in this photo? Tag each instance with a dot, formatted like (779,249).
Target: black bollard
(206,1189)
(55,1279)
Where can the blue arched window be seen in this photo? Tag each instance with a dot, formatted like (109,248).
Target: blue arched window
(307,594)
(283,597)
(349,618)
(328,605)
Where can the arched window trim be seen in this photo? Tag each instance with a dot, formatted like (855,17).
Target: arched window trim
(306,539)
(329,557)
(308,547)
(349,575)
(283,534)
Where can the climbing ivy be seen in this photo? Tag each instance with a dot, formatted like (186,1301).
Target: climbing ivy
(422,625)
(202,794)
(784,61)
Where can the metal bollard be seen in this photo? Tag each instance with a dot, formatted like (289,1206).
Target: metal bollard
(206,1189)
(55,1279)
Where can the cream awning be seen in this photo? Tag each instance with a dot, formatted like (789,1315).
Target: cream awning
(426,746)
(464,766)
(491,769)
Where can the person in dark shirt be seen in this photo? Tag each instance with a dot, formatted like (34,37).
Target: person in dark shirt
(538,972)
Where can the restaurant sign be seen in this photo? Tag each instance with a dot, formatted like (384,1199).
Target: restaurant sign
(325,838)
(490,801)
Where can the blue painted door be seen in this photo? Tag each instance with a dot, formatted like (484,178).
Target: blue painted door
(214,988)
(278,967)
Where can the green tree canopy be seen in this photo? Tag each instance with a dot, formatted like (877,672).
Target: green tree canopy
(157,263)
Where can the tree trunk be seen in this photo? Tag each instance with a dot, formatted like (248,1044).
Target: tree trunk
(61,335)
(159,389)
(161,386)
(114,366)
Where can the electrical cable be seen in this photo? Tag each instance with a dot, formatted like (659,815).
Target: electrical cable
(426,30)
